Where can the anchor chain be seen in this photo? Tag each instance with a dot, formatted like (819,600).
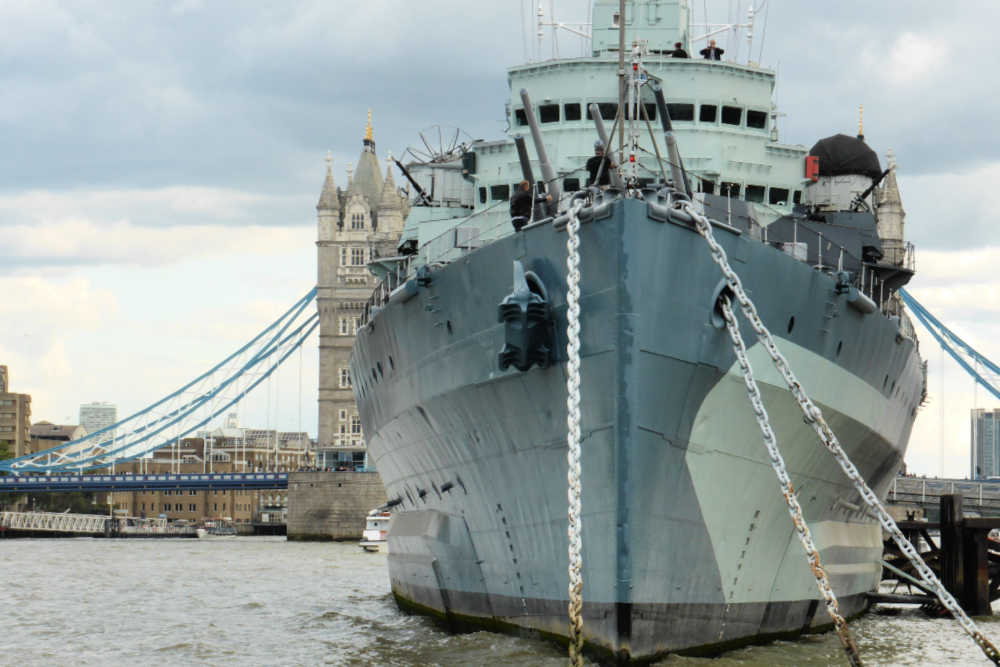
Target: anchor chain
(573,435)
(814,416)
(787,490)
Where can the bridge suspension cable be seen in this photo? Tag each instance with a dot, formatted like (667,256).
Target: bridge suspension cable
(183,411)
(984,371)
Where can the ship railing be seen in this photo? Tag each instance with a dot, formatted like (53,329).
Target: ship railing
(453,243)
(479,229)
(902,254)
(384,289)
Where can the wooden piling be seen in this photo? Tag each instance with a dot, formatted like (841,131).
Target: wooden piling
(952,562)
(964,557)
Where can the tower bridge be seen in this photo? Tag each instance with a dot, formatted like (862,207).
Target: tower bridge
(63,483)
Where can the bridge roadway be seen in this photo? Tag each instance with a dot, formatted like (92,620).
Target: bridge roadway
(151,482)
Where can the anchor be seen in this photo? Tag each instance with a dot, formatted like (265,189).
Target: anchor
(529,329)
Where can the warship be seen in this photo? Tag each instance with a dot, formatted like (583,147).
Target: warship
(460,367)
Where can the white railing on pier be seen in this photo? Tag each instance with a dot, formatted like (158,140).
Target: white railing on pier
(53,522)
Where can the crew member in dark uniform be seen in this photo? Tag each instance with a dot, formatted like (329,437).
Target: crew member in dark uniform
(594,165)
(679,51)
(712,52)
(520,206)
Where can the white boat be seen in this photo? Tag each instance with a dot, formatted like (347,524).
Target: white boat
(373,538)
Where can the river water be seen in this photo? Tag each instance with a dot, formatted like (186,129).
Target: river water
(265,601)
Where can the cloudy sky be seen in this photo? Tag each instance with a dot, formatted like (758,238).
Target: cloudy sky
(161,162)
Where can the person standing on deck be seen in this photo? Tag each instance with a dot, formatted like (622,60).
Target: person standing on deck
(712,52)
(599,163)
(520,206)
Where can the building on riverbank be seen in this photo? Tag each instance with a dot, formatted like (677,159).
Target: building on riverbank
(228,448)
(15,419)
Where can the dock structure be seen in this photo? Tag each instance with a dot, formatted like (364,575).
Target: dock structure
(51,524)
(920,496)
(964,557)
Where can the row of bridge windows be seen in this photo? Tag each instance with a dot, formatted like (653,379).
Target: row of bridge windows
(759,194)
(680,112)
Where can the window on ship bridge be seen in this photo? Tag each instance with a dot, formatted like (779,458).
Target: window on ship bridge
(706,186)
(499,192)
(609,111)
(731,190)
(482,195)
(778,196)
(732,115)
(548,113)
(681,112)
(755,193)
(707,113)
(520,117)
(757,119)
(571,111)
(797,197)
(650,108)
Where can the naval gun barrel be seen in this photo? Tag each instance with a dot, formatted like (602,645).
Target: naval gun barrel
(420,191)
(673,153)
(522,156)
(552,185)
(616,178)
(860,199)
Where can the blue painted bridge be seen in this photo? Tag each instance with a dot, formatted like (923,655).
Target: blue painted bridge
(153,482)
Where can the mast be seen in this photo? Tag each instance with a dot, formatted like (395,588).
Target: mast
(621,80)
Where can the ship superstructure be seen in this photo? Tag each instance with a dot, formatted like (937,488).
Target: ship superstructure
(460,367)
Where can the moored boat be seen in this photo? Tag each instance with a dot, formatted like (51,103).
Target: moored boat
(373,538)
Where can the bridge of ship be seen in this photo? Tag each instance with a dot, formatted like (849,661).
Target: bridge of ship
(62,483)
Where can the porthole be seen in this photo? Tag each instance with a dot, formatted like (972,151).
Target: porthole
(840,346)
(791,323)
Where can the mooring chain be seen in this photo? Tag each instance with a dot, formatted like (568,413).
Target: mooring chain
(778,463)
(573,434)
(814,416)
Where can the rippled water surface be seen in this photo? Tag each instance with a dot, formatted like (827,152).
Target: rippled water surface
(260,600)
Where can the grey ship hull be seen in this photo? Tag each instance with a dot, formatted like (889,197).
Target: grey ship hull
(687,542)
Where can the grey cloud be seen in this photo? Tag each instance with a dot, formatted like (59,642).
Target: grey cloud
(250,97)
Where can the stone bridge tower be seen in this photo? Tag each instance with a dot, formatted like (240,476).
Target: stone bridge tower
(355,226)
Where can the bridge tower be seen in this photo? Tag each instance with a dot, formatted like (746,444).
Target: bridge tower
(355,226)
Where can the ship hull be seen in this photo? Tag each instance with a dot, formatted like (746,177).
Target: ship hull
(687,542)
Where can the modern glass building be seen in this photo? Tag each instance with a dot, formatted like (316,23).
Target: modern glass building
(95,416)
(985,451)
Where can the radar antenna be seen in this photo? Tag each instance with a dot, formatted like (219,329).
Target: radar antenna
(439,144)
